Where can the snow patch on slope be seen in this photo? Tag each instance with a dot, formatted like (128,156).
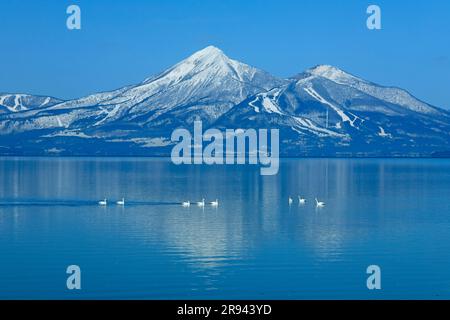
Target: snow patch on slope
(109,114)
(383,133)
(17,99)
(340,112)
(313,128)
(252,104)
(269,105)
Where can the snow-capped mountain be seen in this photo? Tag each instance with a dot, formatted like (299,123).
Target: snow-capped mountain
(205,85)
(326,111)
(391,95)
(323,111)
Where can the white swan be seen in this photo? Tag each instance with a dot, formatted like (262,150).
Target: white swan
(186,204)
(201,203)
(290,201)
(103,202)
(320,204)
(301,200)
(121,202)
(215,203)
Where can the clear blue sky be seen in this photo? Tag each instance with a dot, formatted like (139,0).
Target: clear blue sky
(122,42)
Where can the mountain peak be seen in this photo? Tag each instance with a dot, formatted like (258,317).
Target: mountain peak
(207,57)
(330,72)
(208,51)
(389,94)
(206,73)
(210,58)
(209,65)
(324,68)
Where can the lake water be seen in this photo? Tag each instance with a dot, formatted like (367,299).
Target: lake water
(391,213)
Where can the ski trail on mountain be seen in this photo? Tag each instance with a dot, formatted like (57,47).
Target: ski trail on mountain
(341,113)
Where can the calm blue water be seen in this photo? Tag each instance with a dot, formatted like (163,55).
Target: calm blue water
(393,213)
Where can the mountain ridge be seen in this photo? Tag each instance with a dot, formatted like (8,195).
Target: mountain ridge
(323,111)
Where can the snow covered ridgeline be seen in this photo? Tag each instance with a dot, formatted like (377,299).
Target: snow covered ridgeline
(322,111)
(23,102)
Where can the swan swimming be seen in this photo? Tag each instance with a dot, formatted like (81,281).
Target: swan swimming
(301,200)
(201,203)
(103,202)
(320,204)
(290,201)
(186,204)
(215,203)
(121,202)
